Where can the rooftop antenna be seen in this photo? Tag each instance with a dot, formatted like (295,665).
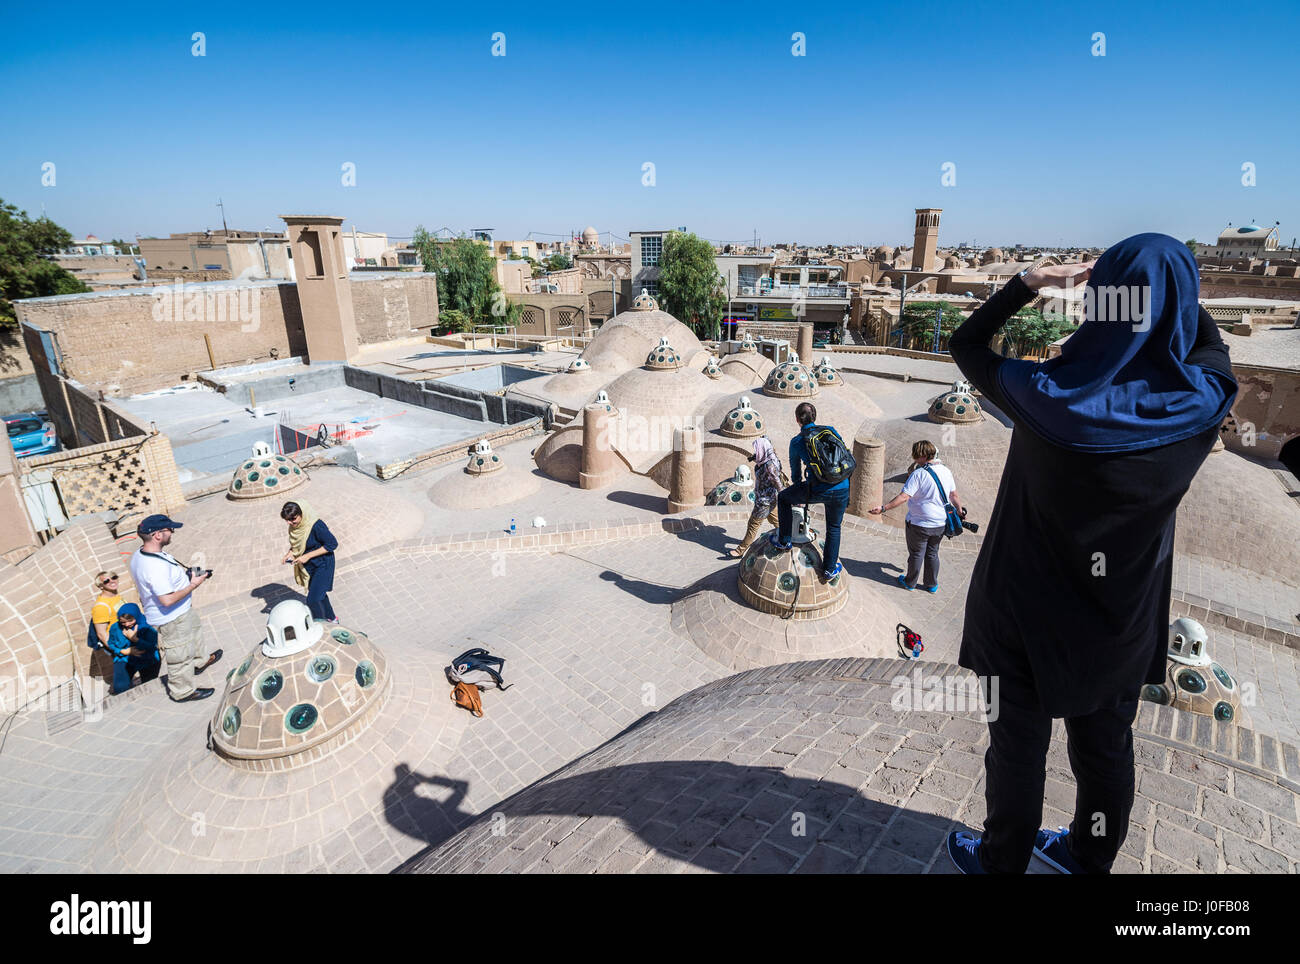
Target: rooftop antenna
(223,217)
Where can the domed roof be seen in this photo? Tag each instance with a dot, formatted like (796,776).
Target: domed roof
(884,251)
(748,344)
(737,491)
(579,365)
(590,234)
(790,379)
(663,357)
(1249,228)
(643,302)
(484,460)
(775,580)
(263,475)
(952,261)
(825,372)
(276,707)
(742,421)
(992,255)
(711,367)
(955,405)
(484,482)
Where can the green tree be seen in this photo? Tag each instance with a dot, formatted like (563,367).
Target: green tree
(26,270)
(918,323)
(558,262)
(467,282)
(1191,245)
(1029,331)
(690,287)
(123,247)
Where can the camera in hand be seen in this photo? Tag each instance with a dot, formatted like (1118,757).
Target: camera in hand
(196,571)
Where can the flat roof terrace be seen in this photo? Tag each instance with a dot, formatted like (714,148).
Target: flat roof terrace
(211,431)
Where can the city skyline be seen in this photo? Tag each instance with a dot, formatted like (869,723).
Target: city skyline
(1049,144)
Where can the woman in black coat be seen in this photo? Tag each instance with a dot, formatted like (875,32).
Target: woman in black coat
(1068,609)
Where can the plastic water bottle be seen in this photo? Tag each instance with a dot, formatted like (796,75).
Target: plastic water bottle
(512,526)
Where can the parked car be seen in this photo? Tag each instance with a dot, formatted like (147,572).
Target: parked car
(31,433)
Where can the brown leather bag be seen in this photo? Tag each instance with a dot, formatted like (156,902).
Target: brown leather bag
(467,695)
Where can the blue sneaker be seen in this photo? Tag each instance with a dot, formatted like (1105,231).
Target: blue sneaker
(902,581)
(964,849)
(1050,846)
(931,589)
(774,538)
(830,574)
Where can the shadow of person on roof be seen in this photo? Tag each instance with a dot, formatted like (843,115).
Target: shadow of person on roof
(274,592)
(651,592)
(711,536)
(420,815)
(713,815)
(885,573)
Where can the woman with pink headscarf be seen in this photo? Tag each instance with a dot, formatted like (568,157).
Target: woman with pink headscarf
(769,479)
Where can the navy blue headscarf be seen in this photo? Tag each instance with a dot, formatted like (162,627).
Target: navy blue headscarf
(1114,389)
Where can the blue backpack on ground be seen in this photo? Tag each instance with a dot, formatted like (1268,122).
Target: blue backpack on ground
(477,667)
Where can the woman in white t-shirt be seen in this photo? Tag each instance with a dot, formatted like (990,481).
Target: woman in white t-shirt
(926,519)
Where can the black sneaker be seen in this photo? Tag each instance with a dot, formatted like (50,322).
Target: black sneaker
(199,694)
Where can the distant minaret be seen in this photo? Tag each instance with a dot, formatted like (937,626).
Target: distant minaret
(926,245)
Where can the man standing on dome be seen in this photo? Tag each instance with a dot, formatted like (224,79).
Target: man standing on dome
(834,496)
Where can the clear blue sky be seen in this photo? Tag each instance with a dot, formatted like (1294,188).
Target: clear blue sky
(1050,143)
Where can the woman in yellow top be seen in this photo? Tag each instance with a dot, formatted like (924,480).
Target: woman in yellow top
(104,613)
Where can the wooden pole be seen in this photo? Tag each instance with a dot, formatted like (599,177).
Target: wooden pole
(212,362)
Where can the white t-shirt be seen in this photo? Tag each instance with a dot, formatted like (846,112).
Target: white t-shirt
(156,575)
(924,507)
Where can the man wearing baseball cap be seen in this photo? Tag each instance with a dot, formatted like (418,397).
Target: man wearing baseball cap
(165,587)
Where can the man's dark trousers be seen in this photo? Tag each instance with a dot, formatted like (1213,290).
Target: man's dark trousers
(1101,756)
(836,502)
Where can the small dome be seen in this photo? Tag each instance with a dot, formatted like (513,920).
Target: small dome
(952,261)
(737,491)
(1249,229)
(884,252)
(748,344)
(590,235)
(264,474)
(483,460)
(776,580)
(790,379)
(1193,682)
(279,704)
(663,357)
(742,421)
(992,256)
(579,365)
(711,367)
(956,405)
(643,302)
(825,372)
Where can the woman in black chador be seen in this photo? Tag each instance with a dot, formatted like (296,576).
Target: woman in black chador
(1068,607)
